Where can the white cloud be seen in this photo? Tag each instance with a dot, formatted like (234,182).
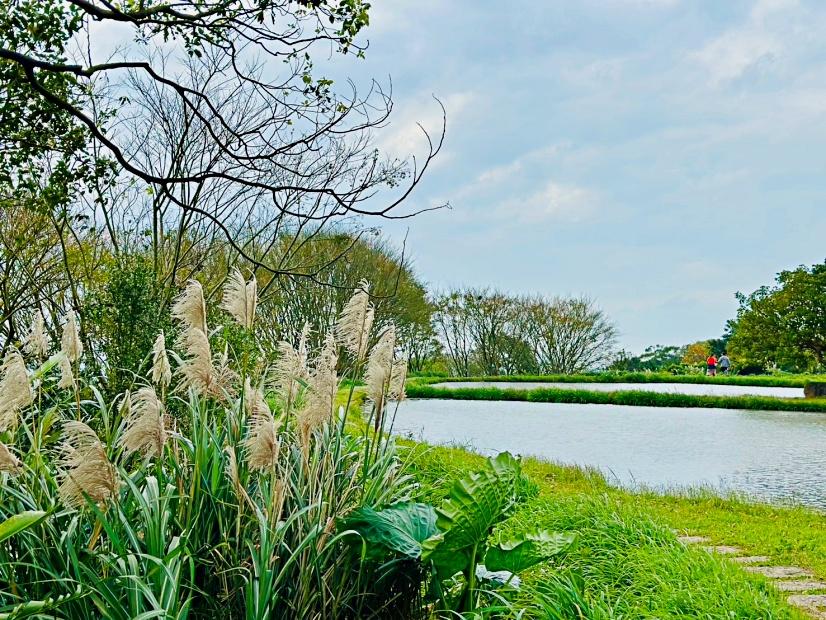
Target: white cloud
(404,136)
(762,39)
(555,201)
(735,52)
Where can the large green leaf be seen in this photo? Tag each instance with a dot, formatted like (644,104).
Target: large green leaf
(520,554)
(19,522)
(475,504)
(401,528)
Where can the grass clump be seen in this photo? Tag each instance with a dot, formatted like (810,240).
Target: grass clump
(627,562)
(628,397)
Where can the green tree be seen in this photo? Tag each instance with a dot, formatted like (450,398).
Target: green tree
(124,316)
(783,325)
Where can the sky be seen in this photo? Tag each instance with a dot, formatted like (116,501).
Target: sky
(654,155)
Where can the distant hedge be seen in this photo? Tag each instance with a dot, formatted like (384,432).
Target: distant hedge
(638,398)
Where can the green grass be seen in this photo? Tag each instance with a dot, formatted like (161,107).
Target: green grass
(645,377)
(627,562)
(630,397)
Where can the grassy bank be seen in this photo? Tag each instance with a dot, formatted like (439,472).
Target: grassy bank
(645,377)
(628,562)
(633,397)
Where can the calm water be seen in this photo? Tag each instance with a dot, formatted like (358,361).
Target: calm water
(711,389)
(774,456)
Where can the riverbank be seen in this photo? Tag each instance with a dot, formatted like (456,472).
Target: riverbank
(417,389)
(628,561)
(797,381)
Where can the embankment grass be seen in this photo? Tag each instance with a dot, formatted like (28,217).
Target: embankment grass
(627,562)
(630,397)
(644,377)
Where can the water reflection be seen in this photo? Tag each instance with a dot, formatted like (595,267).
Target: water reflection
(774,456)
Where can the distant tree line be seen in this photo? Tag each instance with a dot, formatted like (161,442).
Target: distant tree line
(488,332)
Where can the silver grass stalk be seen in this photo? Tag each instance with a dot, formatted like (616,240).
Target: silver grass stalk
(67,377)
(15,390)
(321,397)
(240,298)
(85,470)
(8,462)
(190,308)
(290,368)
(353,327)
(37,343)
(144,428)
(380,367)
(398,376)
(70,342)
(261,447)
(161,370)
(197,371)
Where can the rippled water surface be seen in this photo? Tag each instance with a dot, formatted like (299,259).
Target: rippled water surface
(712,389)
(774,456)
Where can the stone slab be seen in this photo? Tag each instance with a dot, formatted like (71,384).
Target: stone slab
(693,540)
(813,604)
(779,572)
(724,550)
(752,559)
(798,585)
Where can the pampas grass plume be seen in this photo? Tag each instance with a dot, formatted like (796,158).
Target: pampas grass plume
(70,342)
(190,308)
(261,446)
(15,390)
(85,470)
(161,370)
(144,428)
(240,298)
(37,343)
(353,327)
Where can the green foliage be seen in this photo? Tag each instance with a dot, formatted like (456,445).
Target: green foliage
(401,528)
(630,397)
(123,317)
(453,539)
(784,325)
(520,554)
(19,522)
(627,562)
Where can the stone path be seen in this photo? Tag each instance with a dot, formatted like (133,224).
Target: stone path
(811,592)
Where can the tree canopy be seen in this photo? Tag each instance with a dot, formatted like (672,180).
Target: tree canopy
(783,325)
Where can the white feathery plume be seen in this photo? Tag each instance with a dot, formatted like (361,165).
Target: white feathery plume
(85,470)
(398,376)
(261,446)
(37,343)
(353,327)
(161,370)
(323,388)
(144,428)
(197,370)
(15,390)
(67,377)
(70,342)
(380,367)
(240,298)
(8,462)
(291,366)
(190,308)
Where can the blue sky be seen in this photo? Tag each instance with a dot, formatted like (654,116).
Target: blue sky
(656,155)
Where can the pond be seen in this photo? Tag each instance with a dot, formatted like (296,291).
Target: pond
(771,456)
(710,389)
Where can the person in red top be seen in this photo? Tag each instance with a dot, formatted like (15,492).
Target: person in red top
(712,365)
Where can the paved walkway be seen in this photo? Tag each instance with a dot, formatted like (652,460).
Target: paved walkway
(805,591)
